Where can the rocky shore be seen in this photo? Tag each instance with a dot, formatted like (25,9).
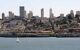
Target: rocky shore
(39,35)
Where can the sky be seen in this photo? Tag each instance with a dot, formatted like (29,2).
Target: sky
(58,6)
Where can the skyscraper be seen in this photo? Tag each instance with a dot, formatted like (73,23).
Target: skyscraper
(78,16)
(25,14)
(72,14)
(11,15)
(22,10)
(42,13)
(77,12)
(3,16)
(51,13)
(30,14)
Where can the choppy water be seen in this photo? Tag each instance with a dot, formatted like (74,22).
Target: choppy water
(40,44)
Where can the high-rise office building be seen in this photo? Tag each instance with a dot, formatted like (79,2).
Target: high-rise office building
(22,10)
(72,14)
(77,12)
(25,14)
(11,15)
(42,13)
(51,13)
(78,15)
(3,16)
(30,14)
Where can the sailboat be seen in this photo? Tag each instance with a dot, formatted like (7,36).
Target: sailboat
(17,40)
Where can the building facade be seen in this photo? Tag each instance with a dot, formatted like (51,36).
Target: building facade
(42,13)
(30,14)
(22,11)
(3,16)
(51,15)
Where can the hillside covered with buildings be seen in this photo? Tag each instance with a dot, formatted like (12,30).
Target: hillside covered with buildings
(29,24)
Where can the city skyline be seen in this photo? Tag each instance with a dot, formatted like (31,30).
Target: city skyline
(35,6)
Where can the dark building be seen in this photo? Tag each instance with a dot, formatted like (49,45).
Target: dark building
(22,11)
(42,13)
(3,16)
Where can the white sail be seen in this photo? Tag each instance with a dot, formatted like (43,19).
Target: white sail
(17,40)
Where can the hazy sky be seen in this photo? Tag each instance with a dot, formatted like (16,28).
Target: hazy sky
(58,6)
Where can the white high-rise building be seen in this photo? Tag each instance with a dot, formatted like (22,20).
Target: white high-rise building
(51,13)
(30,14)
(25,14)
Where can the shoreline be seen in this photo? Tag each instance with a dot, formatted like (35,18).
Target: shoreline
(37,36)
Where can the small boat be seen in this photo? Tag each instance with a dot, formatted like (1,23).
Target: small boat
(17,40)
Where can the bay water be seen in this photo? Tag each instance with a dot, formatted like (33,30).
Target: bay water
(43,43)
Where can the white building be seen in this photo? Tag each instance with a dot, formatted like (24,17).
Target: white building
(51,13)
(30,14)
